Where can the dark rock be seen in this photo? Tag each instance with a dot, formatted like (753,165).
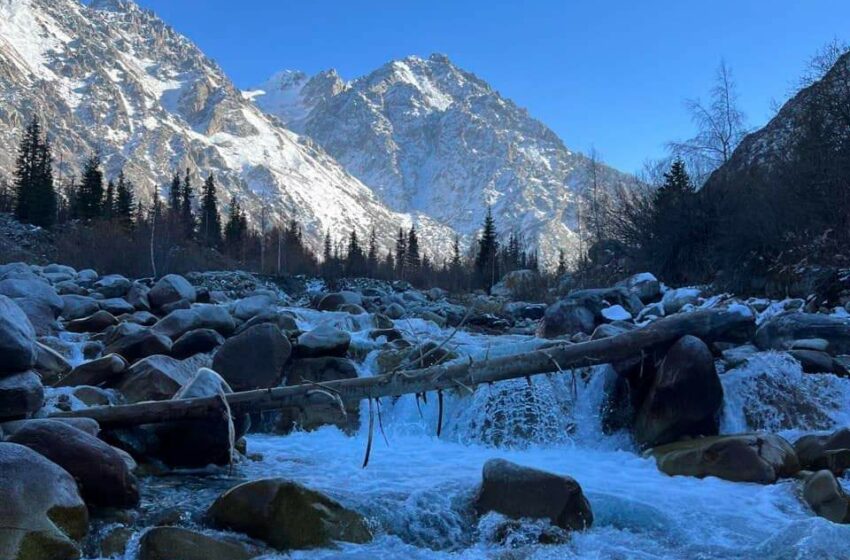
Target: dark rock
(322,410)
(251,306)
(41,501)
(519,492)
(20,394)
(332,301)
(685,397)
(287,515)
(175,305)
(95,323)
(169,289)
(813,361)
(95,372)
(86,425)
(822,451)
(17,338)
(761,458)
(140,345)
(566,317)
(826,497)
(78,307)
(644,285)
(113,285)
(50,364)
(780,331)
(388,334)
(158,378)
(176,543)
(92,396)
(283,320)
(324,340)
(137,296)
(99,470)
(254,358)
(196,342)
(201,316)
(116,306)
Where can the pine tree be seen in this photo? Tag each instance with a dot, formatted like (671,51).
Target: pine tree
(175,192)
(187,216)
(372,259)
(90,192)
(210,226)
(562,263)
(124,200)
(414,261)
(328,255)
(236,228)
(401,254)
(36,201)
(486,262)
(109,201)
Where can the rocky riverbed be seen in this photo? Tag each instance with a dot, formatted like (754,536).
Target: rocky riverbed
(728,448)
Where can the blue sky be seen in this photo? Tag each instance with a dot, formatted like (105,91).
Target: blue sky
(605,74)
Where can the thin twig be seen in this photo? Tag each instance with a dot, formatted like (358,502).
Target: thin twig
(371,432)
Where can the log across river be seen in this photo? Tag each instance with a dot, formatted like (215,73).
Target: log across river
(705,324)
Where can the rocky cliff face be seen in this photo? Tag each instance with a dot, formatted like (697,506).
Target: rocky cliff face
(429,137)
(113,78)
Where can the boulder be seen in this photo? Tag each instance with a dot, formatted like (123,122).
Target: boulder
(77,307)
(50,364)
(86,425)
(644,285)
(116,306)
(20,394)
(40,500)
(685,397)
(196,342)
(761,458)
(96,372)
(112,285)
(332,301)
(322,410)
(395,311)
(40,313)
(17,338)
(198,443)
(826,497)
(87,276)
(34,289)
(780,331)
(252,306)
(287,516)
(598,299)
(55,268)
(144,318)
(253,359)
(324,340)
(140,344)
(201,316)
(814,361)
(171,288)
(100,471)
(137,296)
(615,313)
(829,451)
(674,300)
(522,492)
(95,323)
(282,319)
(177,543)
(93,396)
(158,377)
(566,317)
(69,287)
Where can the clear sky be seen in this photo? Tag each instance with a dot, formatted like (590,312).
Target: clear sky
(605,74)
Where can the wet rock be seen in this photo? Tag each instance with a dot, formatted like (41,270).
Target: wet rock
(114,543)
(566,317)
(137,296)
(116,306)
(78,307)
(175,305)
(86,425)
(824,494)
(112,285)
(685,397)
(33,289)
(674,300)
(176,543)
(388,334)
(382,321)
(96,372)
(50,364)
(395,311)
(829,451)
(283,320)
(158,378)
(144,318)
(201,316)
(41,501)
(287,515)
(196,342)
(254,358)
(20,394)
(55,268)
(87,276)
(332,301)
(518,492)
(100,471)
(813,361)
(780,331)
(252,306)
(41,315)
(95,323)
(324,340)
(322,410)
(93,396)
(644,285)
(17,338)
(69,287)
(141,344)
(761,458)
(738,356)
(198,443)
(169,289)
(351,309)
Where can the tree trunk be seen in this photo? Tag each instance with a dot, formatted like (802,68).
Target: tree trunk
(705,324)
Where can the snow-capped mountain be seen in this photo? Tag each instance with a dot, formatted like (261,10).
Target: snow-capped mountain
(428,137)
(110,77)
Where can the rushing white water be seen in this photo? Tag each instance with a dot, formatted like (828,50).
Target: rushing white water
(418,488)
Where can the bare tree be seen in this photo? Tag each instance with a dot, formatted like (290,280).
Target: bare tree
(720,127)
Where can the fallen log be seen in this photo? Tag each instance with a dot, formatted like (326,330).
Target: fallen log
(705,324)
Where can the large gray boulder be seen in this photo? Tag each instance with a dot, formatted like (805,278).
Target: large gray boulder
(95,372)
(17,338)
(97,322)
(566,317)
(177,543)
(253,359)
(158,378)
(644,285)
(33,288)
(100,471)
(140,344)
(20,394)
(517,492)
(334,300)
(42,516)
(287,515)
(826,497)
(322,410)
(324,340)
(50,364)
(685,397)
(169,289)
(202,316)
(113,285)
(780,331)
(77,307)
(196,342)
(827,451)
(761,458)
(251,306)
